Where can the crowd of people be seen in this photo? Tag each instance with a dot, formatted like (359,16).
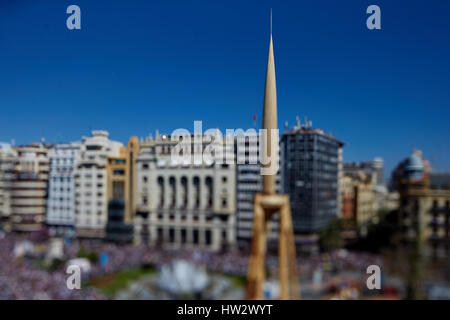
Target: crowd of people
(25,278)
(22,278)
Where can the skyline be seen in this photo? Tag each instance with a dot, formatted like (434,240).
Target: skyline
(134,63)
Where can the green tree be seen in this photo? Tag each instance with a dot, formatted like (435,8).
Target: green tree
(330,236)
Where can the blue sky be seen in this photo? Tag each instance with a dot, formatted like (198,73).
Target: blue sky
(137,66)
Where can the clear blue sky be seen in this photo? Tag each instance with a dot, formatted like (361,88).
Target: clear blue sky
(136,66)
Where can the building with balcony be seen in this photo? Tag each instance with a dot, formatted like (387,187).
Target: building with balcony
(358,206)
(61,193)
(7,161)
(424,211)
(29,188)
(91,193)
(187,202)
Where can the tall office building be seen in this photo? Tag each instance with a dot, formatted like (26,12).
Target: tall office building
(248,183)
(91,194)
(185,203)
(7,159)
(311,164)
(61,194)
(29,188)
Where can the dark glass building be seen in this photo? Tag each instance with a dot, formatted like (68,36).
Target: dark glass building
(311,170)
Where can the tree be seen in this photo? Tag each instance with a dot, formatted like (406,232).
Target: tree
(330,236)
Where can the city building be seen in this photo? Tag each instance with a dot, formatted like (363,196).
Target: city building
(375,167)
(384,199)
(358,200)
(116,228)
(311,167)
(91,192)
(61,194)
(7,160)
(186,203)
(424,212)
(29,188)
(121,187)
(121,177)
(248,183)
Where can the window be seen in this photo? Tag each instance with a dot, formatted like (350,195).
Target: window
(118,172)
(93,148)
(118,190)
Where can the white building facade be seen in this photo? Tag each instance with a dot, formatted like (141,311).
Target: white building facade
(248,183)
(185,204)
(91,208)
(61,199)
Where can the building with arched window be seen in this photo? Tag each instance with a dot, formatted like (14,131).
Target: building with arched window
(182,202)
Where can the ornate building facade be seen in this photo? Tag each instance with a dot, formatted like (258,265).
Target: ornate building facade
(189,203)
(424,212)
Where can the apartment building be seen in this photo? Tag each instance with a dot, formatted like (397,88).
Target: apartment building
(29,188)
(7,161)
(424,211)
(358,207)
(91,194)
(61,194)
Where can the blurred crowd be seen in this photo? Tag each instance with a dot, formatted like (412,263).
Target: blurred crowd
(24,277)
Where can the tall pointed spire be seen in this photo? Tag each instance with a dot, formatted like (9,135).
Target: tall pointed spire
(270,21)
(270,114)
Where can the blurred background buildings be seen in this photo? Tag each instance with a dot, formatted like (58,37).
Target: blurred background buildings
(66,188)
(100,190)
